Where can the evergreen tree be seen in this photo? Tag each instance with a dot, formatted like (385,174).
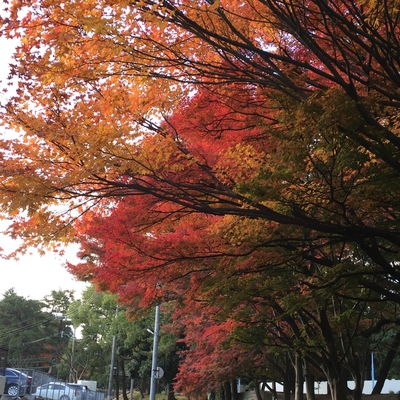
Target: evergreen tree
(24,329)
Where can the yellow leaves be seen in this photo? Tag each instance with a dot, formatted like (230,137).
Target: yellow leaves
(239,163)
(238,230)
(159,154)
(94,25)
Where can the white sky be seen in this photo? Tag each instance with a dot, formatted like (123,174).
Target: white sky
(33,276)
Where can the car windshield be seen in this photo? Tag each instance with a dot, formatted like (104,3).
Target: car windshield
(75,386)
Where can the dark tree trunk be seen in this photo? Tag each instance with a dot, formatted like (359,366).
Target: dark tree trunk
(123,380)
(309,379)
(227,391)
(332,366)
(272,389)
(170,392)
(358,384)
(337,385)
(257,389)
(387,362)
(142,387)
(234,390)
(288,379)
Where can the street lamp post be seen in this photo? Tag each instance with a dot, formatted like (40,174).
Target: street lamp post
(154,358)
(114,346)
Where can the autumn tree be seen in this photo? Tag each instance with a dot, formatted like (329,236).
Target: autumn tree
(317,67)
(229,258)
(217,270)
(298,137)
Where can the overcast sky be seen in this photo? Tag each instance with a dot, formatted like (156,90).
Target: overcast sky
(33,276)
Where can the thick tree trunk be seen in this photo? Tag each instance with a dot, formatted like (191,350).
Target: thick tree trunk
(171,395)
(358,385)
(227,391)
(257,389)
(332,366)
(142,388)
(337,385)
(337,389)
(271,388)
(234,391)
(288,379)
(387,363)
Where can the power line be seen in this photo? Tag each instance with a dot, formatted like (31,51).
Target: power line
(45,320)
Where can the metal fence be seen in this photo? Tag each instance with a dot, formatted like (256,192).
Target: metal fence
(45,386)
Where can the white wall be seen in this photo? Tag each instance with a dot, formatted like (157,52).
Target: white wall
(390,386)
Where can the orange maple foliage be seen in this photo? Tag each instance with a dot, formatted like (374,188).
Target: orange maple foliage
(256,277)
(265,130)
(95,77)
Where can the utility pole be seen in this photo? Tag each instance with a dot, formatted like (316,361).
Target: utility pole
(113,348)
(154,358)
(131,389)
(71,369)
(72,360)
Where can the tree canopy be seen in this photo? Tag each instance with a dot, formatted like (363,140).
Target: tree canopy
(243,154)
(93,81)
(30,330)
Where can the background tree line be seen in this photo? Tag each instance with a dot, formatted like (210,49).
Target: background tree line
(39,335)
